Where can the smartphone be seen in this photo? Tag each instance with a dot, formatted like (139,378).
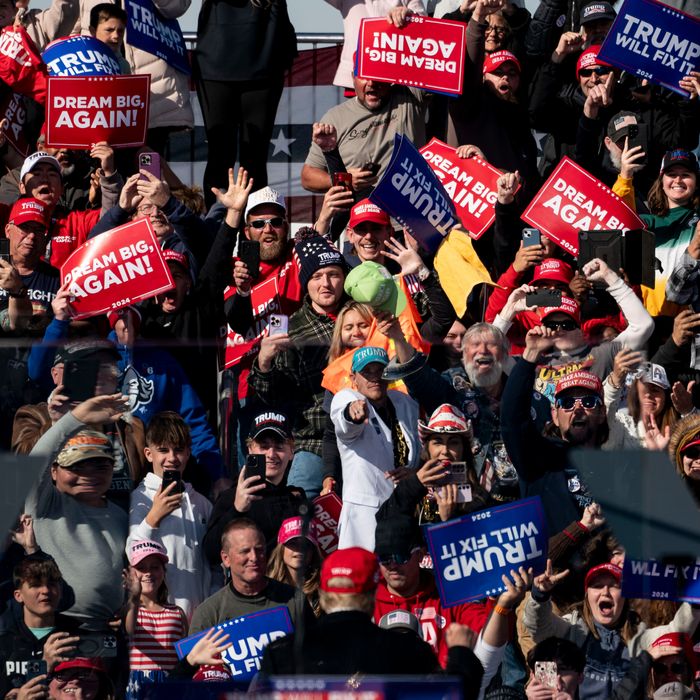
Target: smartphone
(172,476)
(34,669)
(531,236)
(95,644)
(5,249)
(279,323)
(80,378)
(150,162)
(255,466)
(249,253)
(371,166)
(342,179)
(544,298)
(638,136)
(546,673)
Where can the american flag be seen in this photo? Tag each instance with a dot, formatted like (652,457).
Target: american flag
(308,94)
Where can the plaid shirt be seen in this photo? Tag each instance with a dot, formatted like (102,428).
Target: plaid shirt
(682,287)
(295,378)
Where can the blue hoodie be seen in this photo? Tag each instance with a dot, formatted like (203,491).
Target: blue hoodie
(153,381)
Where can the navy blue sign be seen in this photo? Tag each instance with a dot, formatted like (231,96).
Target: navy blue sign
(80,55)
(472,553)
(656,580)
(653,41)
(149,31)
(249,635)
(411,193)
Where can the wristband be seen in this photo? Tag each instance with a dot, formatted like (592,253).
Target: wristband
(500,610)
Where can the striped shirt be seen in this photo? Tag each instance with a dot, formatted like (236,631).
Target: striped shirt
(151,647)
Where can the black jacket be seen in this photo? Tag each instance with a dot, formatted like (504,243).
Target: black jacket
(278,503)
(19,647)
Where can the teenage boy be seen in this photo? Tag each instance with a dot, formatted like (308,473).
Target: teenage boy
(37,632)
(175,516)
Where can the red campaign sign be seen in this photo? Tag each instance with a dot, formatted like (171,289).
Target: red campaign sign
(115,269)
(572,200)
(470,182)
(81,111)
(427,53)
(325,521)
(14,112)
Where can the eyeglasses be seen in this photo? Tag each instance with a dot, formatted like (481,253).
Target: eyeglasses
(146,208)
(589,402)
(677,668)
(692,452)
(598,70)
(275,222)
(560,325)
(496,30)
(63,677)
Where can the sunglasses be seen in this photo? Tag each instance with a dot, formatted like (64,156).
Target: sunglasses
(259,224)
(399,559)
(560,325)
(692,452)
(598,70)
(568,403)
(676,668)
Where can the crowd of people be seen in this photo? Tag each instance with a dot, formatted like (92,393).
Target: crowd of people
(360,369)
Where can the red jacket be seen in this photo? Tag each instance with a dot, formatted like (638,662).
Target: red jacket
(434,619)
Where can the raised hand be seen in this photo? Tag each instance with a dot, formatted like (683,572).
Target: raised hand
(546,581)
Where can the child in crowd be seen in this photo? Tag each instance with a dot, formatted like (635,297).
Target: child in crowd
(37,632)
(152,625)
(108,24)
(172,513)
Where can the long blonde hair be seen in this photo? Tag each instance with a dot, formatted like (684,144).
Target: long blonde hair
(337,347)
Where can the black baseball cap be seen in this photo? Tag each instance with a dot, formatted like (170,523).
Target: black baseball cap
(83,349)
(679,156)
(596,11)
(271,421)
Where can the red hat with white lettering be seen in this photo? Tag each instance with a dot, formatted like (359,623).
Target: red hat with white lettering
(568,306)
(553,270)
(494,60)
(366,210)
(588,59)
(213,674)
(351,570)
(610,569)
(29,209)
(170,255)
(579,380)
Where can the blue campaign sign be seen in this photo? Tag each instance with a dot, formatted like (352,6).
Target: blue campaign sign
(80,55)
(410,192)
(656,580)
(249,635)
(149,31)
(472,553)
(653,41)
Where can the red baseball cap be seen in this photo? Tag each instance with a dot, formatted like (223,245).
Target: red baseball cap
(568,306)
(81,662)
(28,209)
(579,380)
(678,639)
(114,316)
(554,270)
(366,210)
(358,568)
(589,58)
(215,674)
(611,569)
(170,254)
(493,60)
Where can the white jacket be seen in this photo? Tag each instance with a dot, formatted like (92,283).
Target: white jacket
(366,453)
(188,575)
(170,89)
